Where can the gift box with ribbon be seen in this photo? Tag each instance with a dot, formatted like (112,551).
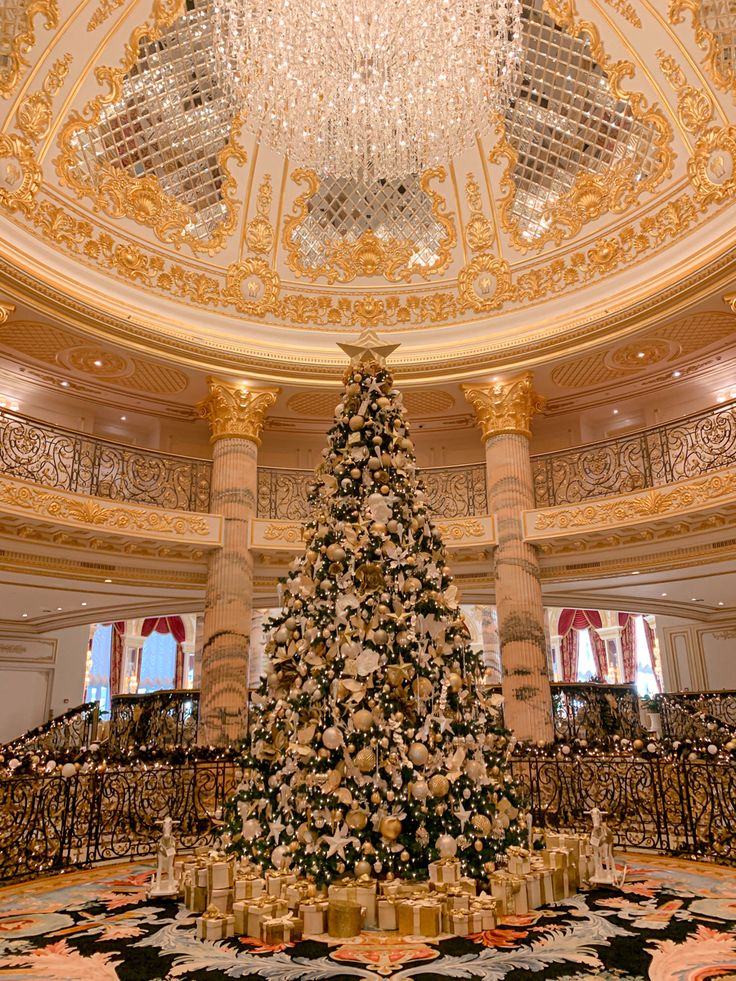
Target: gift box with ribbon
(560,884)
(458,923)
(251,885)
(455,899)
(298,893)
(482,913)
(386,912)
(519,860)
(277,881)
(281,929)
(445,871)
(313,913)
(361,890)
(221,899)
(195,897)
(220,875)
(214,925)
(419,917)
(344,918)
(250,913)
(510,892)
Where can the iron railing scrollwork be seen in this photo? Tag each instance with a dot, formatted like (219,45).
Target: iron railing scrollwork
(666,454)
(67,460)
(157,718)
(696,714)
(72,730)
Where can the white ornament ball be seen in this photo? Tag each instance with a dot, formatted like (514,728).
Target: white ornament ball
(362,868)
(446,846)
(50,766)
(335,552)
(13,764)
(475,770)
(251,828)
(418,754)
(332,737)
(420,789)
(712,749)
(279,857)
(68,770)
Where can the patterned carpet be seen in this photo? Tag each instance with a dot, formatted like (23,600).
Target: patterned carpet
(672,920)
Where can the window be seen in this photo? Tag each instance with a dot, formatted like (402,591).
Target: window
(647,682)
(97,681)
(158,663)
(586,662)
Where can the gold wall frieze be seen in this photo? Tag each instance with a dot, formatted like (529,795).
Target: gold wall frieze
(252,287)
(66,568)
(466,531)
(615,190)
(479,231)
(712,167)
(24,40)
(22,498)
(485,284)
(21,175)
(236,411)
(666,501)
(505,407)
(103,10)
(370,254)
(694,106)
(35,112)
(719,64)
(113,189)
(5,311)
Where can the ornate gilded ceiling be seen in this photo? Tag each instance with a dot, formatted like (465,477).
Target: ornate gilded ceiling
(130,200)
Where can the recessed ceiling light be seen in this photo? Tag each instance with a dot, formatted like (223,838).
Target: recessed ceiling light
(58,609)
(108,580)
(635,573)
(721,399)
(64,384)
(84,604)
(97,363)
(720,603)
(676,374)
(123,418)
(664,594)
(615,412)
(641,354)
(24,614)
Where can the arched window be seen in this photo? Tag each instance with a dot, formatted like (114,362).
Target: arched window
(97,681)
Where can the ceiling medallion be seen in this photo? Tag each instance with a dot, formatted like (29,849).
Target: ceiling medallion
(369,90)
(712,167)
(484,284)
(19,36)
(20,175)
(328,236)
(252,287)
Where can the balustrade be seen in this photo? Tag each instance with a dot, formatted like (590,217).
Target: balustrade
(72,730)
(153,719)
(696,714)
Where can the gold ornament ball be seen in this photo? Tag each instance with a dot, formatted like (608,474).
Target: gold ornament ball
(455,680)
(380,636)
(638,745)
(439,785)
(385,489)
(390,828)
(422,687)
(293,846)
(355,473)
(356,820)
(420,790)
(365,760)
(363,720)
(362,868)
(418,754)
(356,423)
(482,824)
(478,845)
(404,856)
(375,797)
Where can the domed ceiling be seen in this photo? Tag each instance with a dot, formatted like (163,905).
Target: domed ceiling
(135,207)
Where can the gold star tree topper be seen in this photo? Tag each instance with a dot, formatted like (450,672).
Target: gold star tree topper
(368,347)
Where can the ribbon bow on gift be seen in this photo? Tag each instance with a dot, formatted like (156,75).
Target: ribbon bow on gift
(213,913)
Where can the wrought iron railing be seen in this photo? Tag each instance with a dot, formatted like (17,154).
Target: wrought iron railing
(666,454)
(452,492)
(85,464)
(696,714)
(73,729)
(157,718)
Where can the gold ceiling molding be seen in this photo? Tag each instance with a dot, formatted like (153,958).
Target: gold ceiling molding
(35,113)
(694,106)
(252,287)
(659,502)
(46,565)
(505,407)
(478,230)
(20,174)
(113,190)
(103,10)
(626,10)
(100,513)
(234,411)
(25,39)
(368,255)
(5,311)
(712,167)
(718,64)
(592,195)
(259,234)
(485,284)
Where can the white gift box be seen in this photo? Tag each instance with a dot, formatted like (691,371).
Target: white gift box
(221,899)
(211,927)
(248,887)
(459,923)
(256,910)
(445,871)
(220,875)
(276,882)
(386,913)
(313,913)
(519,861)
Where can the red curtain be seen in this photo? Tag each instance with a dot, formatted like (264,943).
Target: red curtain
(628,646)
(116,657)
(599,654)
(175,627)
(568,625)
(569,650)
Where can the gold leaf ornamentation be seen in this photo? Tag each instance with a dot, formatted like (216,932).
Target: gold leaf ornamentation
(478,230)
(24,41)
(289,532)
(592,195)
(626,10)
(35,112)
(505,407)
(234,411)
(484,284)
(252,287)
(712,167)
(20,175)
(368,255)
(719,66)
(455,531)
(694,107)
(114,189)
(259,234)
(102,11)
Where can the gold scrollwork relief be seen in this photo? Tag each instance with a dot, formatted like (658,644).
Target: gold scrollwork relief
(102,11)
(20,175)
(252,287)
(456,531)
(712,167)
(289,532)
(35,112)
(592,195)
(719,66)
(368,255)
(24,41)
(259,234)
(113,189)
(484,284)
(626,10)
(694,107)
(478,230)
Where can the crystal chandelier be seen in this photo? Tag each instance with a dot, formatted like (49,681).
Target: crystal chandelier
(369,89)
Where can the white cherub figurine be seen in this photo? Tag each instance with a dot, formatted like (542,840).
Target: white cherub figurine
(165,883)
(601,842)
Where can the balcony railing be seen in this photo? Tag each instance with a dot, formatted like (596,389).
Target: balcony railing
(675,451)
(71,461)
(157,718)
(452,492)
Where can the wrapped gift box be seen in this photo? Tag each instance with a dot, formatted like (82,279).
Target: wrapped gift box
(482,914)
(214,925)
(276,882)
(458,924)
(200,874)
(361,891)
(195,897)
(445,871)
(560,884)
(419,918)
(555,858)
(510,892)
(281,929)
(220,875)
(386,913)
(298,893)
(519,861)
(344,918)
(254,911)
(250,886)
(221,899)
(313,913)
(455,899)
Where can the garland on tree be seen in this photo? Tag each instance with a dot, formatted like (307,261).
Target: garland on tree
(372,746)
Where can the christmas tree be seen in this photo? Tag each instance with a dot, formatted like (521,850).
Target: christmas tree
(371,745)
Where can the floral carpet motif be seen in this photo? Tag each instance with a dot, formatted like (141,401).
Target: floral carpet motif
(671,921)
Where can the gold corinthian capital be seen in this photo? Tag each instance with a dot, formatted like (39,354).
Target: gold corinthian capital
(505,406)
(235,410)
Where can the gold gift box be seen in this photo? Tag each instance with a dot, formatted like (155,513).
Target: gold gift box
(195,897)
(419,918)
(258,909)
(281,929)
(214,925)
(344,918)
(361,891)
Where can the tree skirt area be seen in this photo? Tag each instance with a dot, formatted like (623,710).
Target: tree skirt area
(671,920)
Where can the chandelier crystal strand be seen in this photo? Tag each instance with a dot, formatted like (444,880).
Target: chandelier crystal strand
(369,89)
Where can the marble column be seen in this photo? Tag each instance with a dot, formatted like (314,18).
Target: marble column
(504,412)
(236,417)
